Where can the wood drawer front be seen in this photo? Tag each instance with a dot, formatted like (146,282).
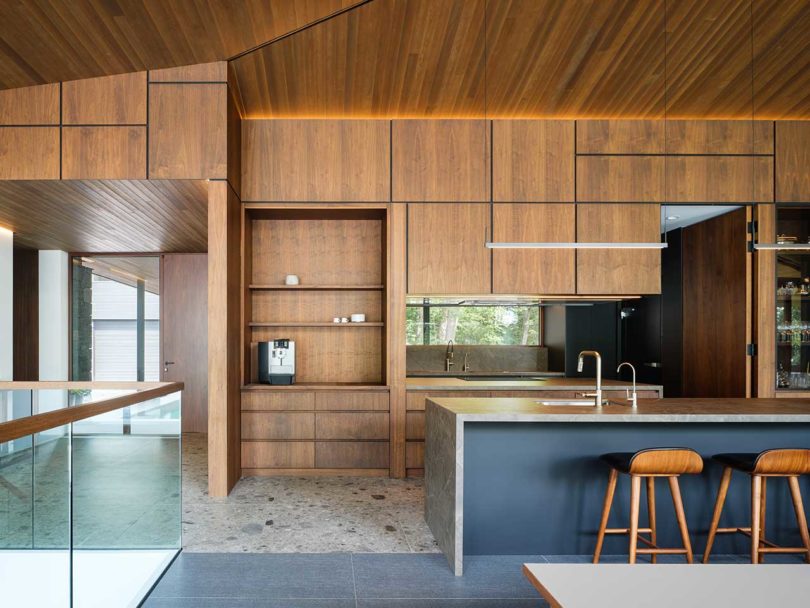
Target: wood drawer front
(347,400)
(414,425)
(366,425)
(265,425)
(278,454)
(416,399)
(287,400)
(352,454)
(415,455)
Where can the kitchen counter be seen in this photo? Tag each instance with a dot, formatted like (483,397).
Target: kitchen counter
(509,476)
(515,384)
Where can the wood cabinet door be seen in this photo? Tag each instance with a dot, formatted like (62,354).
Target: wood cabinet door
(618,271)
(533,161)
(793,161)
(446,248)
(440,160)
(533,271)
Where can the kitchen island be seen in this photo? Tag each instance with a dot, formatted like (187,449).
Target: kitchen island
(510,476)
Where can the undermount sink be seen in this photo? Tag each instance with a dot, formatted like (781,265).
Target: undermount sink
(503,377)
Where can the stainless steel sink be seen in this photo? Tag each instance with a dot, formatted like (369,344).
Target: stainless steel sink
(504,378)
(569,402)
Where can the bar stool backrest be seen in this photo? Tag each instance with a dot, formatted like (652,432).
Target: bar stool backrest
(666,461)
(783,462)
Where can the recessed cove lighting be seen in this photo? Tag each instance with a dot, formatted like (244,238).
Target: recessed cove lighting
(672,218)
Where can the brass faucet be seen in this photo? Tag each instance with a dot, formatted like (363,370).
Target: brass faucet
(633,399)
(448,356)
(466,366)
(597,395)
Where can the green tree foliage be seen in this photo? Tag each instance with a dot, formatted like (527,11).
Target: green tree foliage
(495,325)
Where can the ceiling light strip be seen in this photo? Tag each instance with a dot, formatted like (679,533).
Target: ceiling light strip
(493,245)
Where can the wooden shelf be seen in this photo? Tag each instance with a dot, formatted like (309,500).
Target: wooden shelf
(323,386)
(317,287)
(343,325)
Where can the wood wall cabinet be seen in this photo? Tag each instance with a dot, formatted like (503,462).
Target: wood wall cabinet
(719,137)
(277,455)
(618,271)
(109,100)
(446,251)
(793,161)
(104,153)
(620,137)
(719,179)
(30,105)
(29,153)
(316,160)
(216,71)
(188,131)
(533,271)
(533,160)
(440,160)
(622,179)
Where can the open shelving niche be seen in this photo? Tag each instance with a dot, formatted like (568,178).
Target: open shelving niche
(339,255)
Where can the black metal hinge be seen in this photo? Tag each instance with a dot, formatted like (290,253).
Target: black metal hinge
(751,350)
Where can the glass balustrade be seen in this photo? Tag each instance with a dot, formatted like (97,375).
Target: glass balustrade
(89,511)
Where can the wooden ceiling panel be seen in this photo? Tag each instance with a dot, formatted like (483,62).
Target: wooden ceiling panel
(44,41)
(107,216)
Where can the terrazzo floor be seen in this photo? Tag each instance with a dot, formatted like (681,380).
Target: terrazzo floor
(301,515)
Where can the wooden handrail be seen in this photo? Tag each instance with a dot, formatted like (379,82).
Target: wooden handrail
(36,423)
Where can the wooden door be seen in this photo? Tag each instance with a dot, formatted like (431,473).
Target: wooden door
(618,271)
(446,248)
(184,333)
(533,271)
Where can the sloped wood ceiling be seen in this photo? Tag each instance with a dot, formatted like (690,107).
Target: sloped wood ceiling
(45,41)
(108,216)
(544,58)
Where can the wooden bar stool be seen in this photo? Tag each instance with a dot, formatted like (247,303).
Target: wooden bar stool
(789,463)
(649,464)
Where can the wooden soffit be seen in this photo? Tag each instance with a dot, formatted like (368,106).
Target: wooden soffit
(544,58)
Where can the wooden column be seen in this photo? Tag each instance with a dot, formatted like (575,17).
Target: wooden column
(397,224)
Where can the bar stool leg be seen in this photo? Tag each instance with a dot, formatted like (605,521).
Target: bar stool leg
(651,514)
(718,509)
(635,498)
(801,519)
(675,489)
(600,537)
(756,497)
(762,505)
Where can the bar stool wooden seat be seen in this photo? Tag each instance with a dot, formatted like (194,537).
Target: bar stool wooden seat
(648,464)
(787,463)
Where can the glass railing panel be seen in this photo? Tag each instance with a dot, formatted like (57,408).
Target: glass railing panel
(126,500)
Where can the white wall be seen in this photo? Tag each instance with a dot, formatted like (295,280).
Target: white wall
(6,304)
(54,320)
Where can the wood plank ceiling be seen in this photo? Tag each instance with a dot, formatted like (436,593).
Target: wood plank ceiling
(544,58)
(107,216)
(45,41)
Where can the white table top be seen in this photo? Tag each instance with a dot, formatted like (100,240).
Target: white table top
(671,585)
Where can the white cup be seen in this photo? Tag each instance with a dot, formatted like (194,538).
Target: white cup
(291,279)
(336,320)
(358,318)
(344,320)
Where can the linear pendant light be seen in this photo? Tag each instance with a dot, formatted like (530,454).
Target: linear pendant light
(572,245)
(783,246)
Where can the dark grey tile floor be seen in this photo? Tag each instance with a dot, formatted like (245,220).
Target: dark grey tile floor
(357,580)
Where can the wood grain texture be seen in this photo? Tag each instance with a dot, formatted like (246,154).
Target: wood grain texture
(446,252)
(765,309)
(110,100)
(216,71)
(351,455)
(30,105)
(618,271)
(278,454)
(397,278)
(620,136)
(184,333)
(719,137)
(234,137)
(278,425)
(415,454)
(533,271)
(70,39)
(719,179)
(533,160)
(628,179)
(415,429)
(104,153)
(714,276)
(188,131)
(104,216)
(26,314)
(316,160)
(29,153)
(351,425)
(793,161)
(264,400)
(315,306)
(345,400)
(440,160)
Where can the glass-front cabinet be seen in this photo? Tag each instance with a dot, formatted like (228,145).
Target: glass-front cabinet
(793,298)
